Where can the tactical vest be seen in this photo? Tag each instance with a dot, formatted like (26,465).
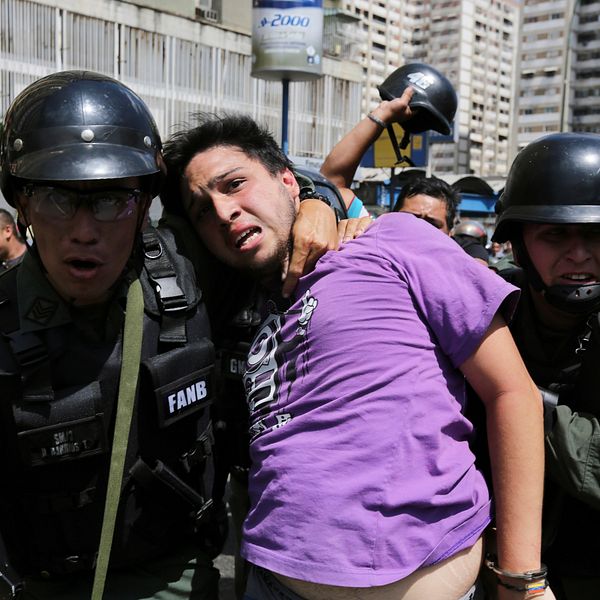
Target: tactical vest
(569,368)
(554,364)
(57,416)
(232,304)
(231,417)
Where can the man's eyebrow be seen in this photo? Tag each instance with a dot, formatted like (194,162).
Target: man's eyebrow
(193,197)
(435,222)
(218,178)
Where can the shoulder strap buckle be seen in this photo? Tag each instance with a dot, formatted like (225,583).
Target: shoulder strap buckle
(169,293)
(171,299)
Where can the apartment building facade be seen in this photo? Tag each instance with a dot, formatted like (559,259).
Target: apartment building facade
(181,56)
(544,64)
(474,43)
(521,69)
(559,86)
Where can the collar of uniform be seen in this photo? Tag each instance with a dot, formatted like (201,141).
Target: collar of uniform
(40,306)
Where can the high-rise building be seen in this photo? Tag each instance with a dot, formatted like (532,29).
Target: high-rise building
(559,87)
(474,43)
(583,96)
(543,67)
(387,32)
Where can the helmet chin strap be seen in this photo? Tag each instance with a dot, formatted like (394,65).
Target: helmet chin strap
(572,299)
(399,147)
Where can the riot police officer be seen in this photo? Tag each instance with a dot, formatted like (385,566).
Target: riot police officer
(93,439)
(550,211)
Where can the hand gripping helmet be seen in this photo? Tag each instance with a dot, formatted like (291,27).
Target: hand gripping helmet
(434,96)
(555,179)
(78,126)
(473,229)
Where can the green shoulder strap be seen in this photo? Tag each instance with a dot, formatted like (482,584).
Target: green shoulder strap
(130,366)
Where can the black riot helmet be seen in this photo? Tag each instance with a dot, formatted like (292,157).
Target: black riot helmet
(472,229)
(555,179)
(433,95)
(79,126)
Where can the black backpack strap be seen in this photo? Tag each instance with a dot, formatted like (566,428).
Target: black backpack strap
(11,583)
(29,348)
(171,299)
(9,313)
(31,353)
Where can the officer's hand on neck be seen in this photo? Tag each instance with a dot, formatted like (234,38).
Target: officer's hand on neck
(313,234)
(348,229)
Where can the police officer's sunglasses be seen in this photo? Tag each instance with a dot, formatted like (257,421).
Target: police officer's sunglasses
(61,203)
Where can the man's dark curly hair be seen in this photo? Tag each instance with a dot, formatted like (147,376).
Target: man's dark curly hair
(238,131)
(436,188)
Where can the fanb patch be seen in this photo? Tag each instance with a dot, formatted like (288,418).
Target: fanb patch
(182,380)
(184,396)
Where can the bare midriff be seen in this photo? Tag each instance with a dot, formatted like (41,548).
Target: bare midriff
(450,579)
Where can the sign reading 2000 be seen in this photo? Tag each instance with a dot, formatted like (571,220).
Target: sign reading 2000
(287,39)
(280,20)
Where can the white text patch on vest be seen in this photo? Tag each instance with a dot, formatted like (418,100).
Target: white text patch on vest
(186,396)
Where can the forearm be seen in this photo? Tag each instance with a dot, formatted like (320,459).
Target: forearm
(515,438)
(341,163)
(516,444)
(515,431)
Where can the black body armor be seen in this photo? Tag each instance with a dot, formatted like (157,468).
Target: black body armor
(231,417)
(58,414)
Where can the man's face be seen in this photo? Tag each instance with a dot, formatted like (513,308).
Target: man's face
(242,213)
(564,254)
(84,257)
(432,210)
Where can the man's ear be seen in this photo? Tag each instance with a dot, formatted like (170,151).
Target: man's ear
(517,255)
(22,212)
(22,220)
(144,216)
(289,181)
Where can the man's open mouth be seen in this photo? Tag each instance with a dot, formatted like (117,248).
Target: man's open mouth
(83,265)
(246,237)
(580,278)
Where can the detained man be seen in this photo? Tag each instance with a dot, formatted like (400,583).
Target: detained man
(362,482)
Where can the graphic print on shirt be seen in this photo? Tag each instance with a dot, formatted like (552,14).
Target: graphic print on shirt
(265,389)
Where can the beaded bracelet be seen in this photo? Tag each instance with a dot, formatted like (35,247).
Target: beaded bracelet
(533,589)
(376,120)
(540,573)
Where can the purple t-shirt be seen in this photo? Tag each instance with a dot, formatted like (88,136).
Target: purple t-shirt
(361,467)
